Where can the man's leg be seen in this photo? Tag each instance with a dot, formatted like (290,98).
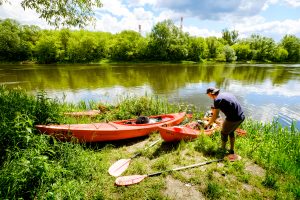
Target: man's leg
(232,140)
(228,129)
(224,139)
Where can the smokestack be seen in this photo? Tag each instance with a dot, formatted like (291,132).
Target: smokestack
(181,22)
(140,29)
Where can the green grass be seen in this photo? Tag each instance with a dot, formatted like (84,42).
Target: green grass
(36,166)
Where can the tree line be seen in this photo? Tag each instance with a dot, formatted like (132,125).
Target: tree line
(165,42)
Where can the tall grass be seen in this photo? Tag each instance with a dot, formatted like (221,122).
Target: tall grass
(273,146)
(277,149)
(34,165)
(132,106)
(19,112)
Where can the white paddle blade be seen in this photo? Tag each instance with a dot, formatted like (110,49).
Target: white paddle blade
(129,180)
(119,167)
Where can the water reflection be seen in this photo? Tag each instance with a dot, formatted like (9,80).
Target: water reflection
(266,91)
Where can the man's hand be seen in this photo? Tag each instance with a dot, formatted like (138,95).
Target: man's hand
(207,125)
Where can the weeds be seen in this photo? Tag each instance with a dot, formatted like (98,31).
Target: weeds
(214,190)
(270,181)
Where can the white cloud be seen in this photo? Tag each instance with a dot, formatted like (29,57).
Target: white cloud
(141,14)
(134,3)
(214,10)
(269,3)
(293,3)
(117,15)
(115,7)
(195,31)
(261,26)
(168,14)
(14,10)
(108,22)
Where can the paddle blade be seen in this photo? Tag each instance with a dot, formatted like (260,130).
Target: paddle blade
(129,180)
(119,167)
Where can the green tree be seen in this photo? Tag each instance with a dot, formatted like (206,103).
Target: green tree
(103,41)
(167,42)
(9,40)
(84,47)
(292,44)
(262,47)
(230,36)
(47,48)
(229,53)
(242,51)
(29,35)
(61,12)
(214,47)
(17,41)
(280,54)
(197,49)
(127,46)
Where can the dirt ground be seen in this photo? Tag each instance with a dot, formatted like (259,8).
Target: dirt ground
(254,169)
(181,191)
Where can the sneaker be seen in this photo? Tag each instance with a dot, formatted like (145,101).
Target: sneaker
(233,157)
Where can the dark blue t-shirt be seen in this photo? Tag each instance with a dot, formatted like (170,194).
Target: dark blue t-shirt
(230,106)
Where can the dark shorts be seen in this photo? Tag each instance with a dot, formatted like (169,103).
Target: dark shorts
(229,127)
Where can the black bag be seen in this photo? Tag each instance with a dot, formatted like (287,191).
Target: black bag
(142,120)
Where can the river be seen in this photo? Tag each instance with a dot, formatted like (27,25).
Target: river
(266,91)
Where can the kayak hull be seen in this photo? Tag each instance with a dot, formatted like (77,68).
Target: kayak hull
(177,133)
(112,131)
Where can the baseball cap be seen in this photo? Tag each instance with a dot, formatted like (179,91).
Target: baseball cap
(212,90)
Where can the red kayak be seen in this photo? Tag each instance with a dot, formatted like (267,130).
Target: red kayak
(117,130)
(177,133)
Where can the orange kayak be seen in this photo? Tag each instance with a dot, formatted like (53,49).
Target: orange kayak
(111,131)
(177,133)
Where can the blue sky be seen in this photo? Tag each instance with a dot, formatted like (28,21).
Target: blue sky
(270,18)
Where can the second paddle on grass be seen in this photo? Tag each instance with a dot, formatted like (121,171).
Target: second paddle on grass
(133,179)
(121,165)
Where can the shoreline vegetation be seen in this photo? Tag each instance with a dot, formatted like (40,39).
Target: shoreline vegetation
(141,62)
(111,62)
(165,43)
(37,166)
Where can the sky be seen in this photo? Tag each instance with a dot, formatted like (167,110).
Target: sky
(269,18)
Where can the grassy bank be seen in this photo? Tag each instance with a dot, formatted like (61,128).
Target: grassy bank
(35,166)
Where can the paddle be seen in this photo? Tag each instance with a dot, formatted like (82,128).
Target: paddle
(130,180)
(121,165)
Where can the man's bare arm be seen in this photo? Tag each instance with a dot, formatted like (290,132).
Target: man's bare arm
(214,116)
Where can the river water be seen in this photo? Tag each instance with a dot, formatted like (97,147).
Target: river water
(266,91)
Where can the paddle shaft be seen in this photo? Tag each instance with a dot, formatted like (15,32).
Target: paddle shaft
(137,154)
(185,167)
